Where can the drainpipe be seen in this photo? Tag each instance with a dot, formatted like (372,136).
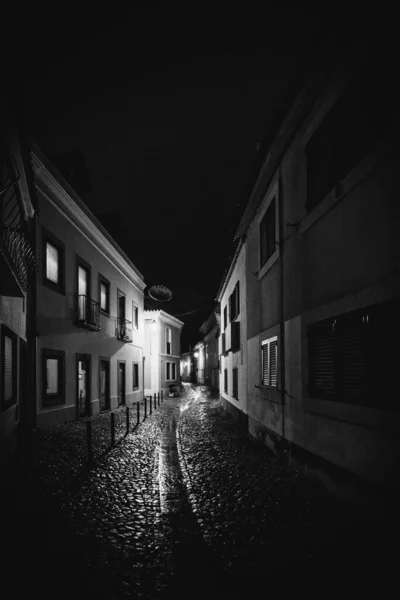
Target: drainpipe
(282,324)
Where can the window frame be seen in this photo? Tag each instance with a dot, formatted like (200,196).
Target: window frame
(173,368)
(235,382)
(168,368)
(267,342)
(135,316)
(49,238)
(168,328)
(7,332)
(59,398)
(103,280)
(135,364)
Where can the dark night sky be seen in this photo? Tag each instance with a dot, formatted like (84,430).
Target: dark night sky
(167,116)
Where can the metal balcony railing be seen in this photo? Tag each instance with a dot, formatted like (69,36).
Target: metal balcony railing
(15,244)
(124,330)
(88,313)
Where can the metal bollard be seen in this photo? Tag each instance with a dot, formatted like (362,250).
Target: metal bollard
(137,413)
(127,420)
(89,441)
(151,404)
(158,398)
(145,407)
(112,429)
(155,401)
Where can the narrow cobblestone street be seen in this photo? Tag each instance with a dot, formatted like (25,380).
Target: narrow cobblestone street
(185,503)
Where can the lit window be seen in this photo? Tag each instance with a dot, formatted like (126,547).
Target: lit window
(52,263)
(53,377)
(269,352)
(104,295)
(168,335)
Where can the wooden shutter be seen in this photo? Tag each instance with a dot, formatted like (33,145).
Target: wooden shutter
(265,364)
(273,362)
(8,369)
(321,359)
(352,356)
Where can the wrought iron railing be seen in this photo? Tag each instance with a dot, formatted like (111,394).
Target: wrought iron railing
(88,312)
(124,330)
(15,244)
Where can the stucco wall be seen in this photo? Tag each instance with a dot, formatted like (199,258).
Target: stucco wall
(55,320)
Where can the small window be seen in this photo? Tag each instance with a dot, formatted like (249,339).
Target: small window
(135,316)
(135,376)
(54,268)
(53,377)
(173,371)
(225,317)
(269,352)
(267,234)
(9,342)
(226,380)
(168,336)
(104,294)
(234,303)
(235,382)
(168,371)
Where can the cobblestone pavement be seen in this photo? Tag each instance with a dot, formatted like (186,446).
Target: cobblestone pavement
(183,505)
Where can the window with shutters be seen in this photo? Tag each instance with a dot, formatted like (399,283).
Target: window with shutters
(268,233)
(226,380)
(350,357)
(235,382)
(9,341)
(53,262)
(234,303)
(53,377)
(269,361)
(235,336)
(135,376)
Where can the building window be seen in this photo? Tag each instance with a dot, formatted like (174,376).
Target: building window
(350,356)
(355,123)
(135,376)
(269,357)
(53,377)
(104,294)
(168,337)
(234,303)
(235,382)
(54,263)
(225,317)
(173,366)
(268,233)
(235,336)
(168,371)
(226,380)
(9,341)
(135,316)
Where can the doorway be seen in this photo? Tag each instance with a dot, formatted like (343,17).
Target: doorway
(104,384)
(121,383)
(83,385)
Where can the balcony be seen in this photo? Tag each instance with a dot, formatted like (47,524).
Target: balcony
(124,330)
(15,245)
(88,313)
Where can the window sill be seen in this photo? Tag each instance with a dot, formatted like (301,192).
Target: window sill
(104,313)
(271,393)
(52,286)
(268,264)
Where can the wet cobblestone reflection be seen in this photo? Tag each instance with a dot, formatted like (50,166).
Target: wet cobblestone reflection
(185,501)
